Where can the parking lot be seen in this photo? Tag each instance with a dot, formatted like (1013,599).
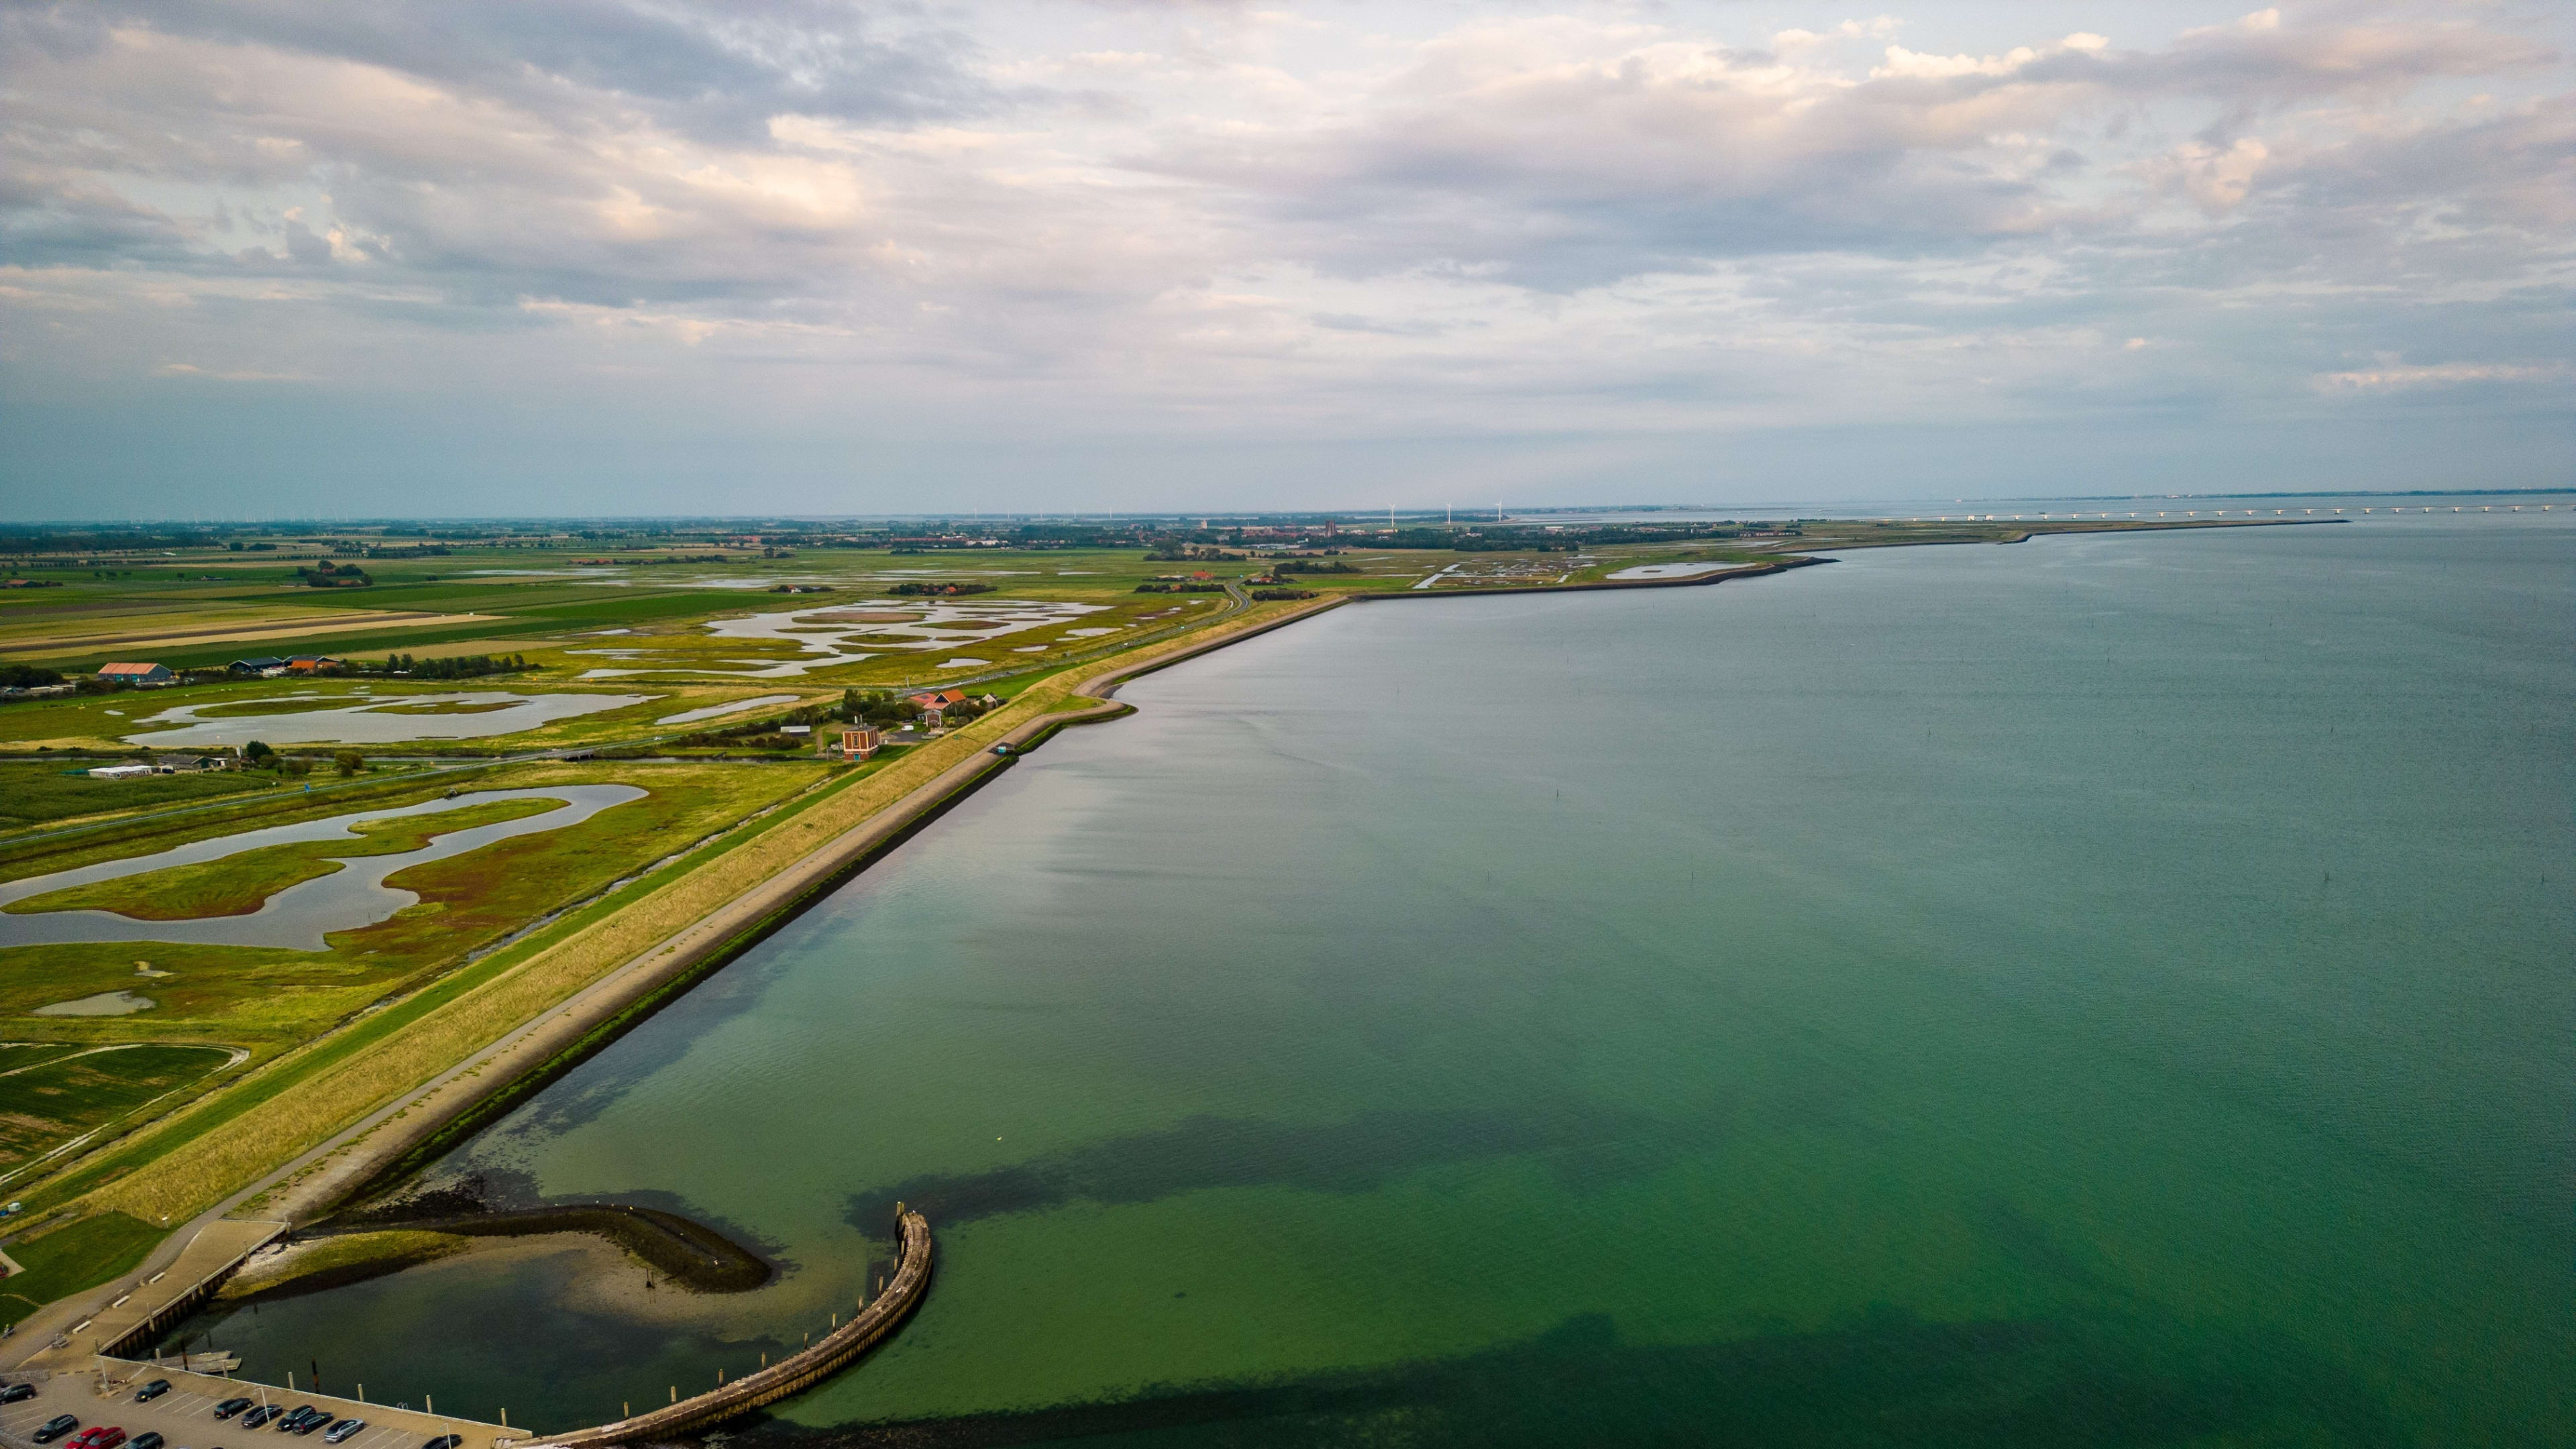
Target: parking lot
(185,1416)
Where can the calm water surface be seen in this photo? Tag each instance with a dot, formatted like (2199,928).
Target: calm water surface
(2100,991)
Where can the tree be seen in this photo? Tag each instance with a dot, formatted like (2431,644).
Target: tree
(257,753)
(349,762)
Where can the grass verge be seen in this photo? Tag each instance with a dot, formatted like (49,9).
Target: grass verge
(69,1259)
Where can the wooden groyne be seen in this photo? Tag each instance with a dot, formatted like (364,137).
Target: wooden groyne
(789,1375)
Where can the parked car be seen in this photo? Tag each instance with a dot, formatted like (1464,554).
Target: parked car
(342,1430)
(17,1393)
(258,1416)
(446,1441)
(146,1440)
(151,1391)
(98,1436)
(61,1424)
(295,1418)
(313,1421)
(230,1407)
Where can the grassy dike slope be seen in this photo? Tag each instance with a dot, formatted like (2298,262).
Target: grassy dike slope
(203,1157)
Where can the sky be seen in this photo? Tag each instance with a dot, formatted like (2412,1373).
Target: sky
(422,258)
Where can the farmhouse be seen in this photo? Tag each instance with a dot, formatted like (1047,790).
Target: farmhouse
(935,704)
(313,664)
(859,742)
(248,668)
(136,674)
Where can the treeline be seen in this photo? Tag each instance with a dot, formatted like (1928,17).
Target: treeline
(46,540)
(939,589)
(1183,588)
(328,575)
(462,666)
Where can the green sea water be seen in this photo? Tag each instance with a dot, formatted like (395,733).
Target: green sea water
(2100,991)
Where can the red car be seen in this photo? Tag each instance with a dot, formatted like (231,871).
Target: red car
(102,1436)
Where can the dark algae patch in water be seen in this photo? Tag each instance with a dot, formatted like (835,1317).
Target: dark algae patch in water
(1888,1381)
(1579,1147)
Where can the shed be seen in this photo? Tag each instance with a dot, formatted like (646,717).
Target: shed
(136,673)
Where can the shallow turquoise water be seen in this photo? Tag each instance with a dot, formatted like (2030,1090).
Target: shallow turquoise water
(2098,991)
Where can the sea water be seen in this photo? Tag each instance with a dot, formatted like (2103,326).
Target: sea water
(2104,990)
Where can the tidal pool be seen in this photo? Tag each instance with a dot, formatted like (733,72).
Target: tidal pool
(299,916)
(830,634)
(692,716)
(1671,570)
(368,723)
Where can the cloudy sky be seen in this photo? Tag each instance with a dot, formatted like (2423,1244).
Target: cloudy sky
(294,257)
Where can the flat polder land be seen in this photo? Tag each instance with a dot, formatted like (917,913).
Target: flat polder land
(147,1080)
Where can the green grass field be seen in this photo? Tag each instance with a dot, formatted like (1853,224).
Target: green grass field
(43,1105)
(82,1255)
(32,794)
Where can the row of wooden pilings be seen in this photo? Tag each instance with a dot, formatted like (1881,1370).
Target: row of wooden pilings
(789,1375)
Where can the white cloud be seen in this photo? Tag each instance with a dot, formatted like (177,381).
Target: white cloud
(1206,219)
(2440,374)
